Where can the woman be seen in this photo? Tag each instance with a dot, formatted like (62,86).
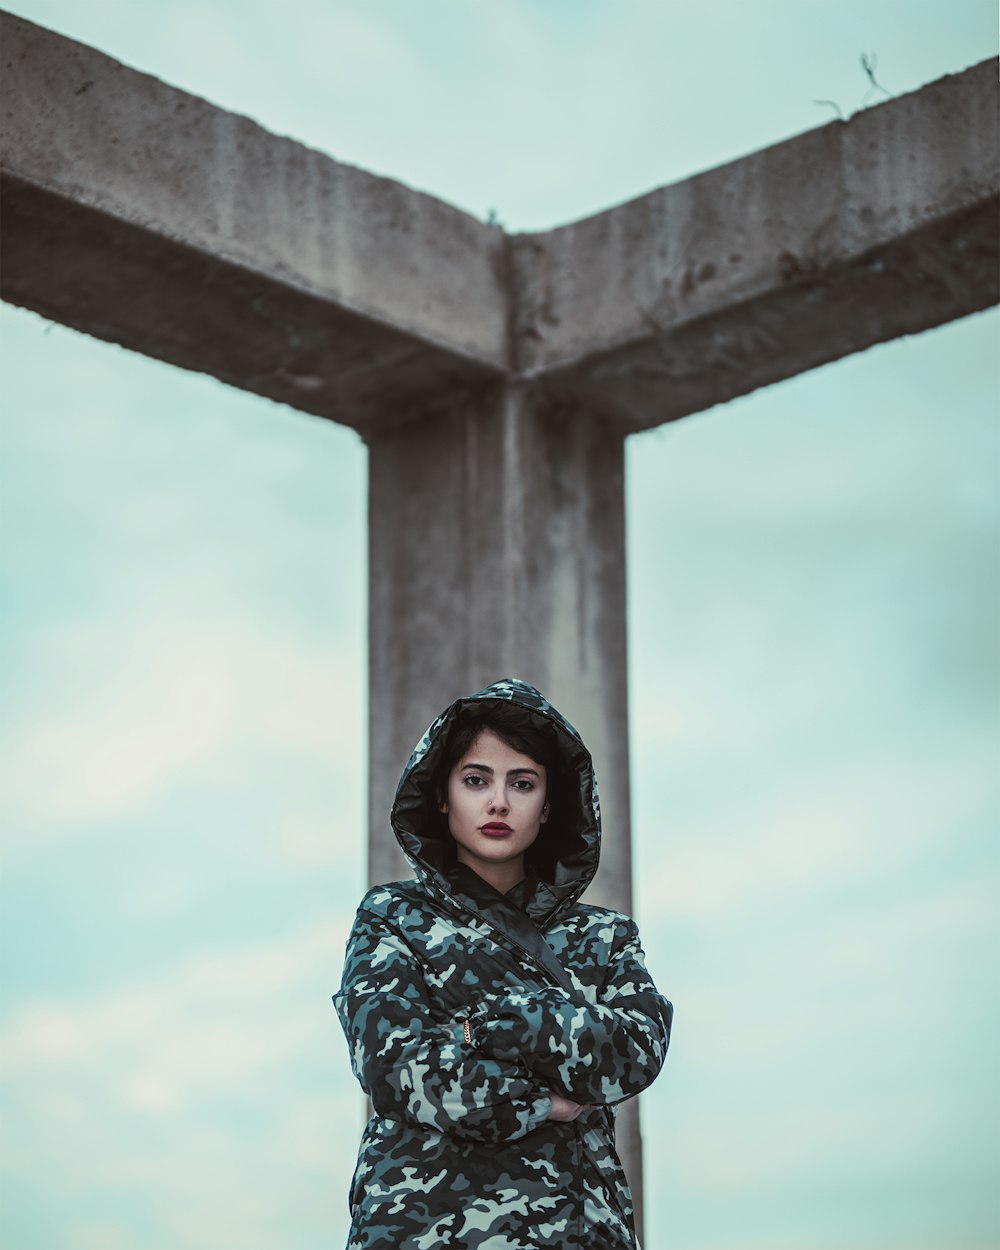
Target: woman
(492,1018)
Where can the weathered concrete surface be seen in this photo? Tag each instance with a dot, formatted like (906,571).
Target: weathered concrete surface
(497,548)
(809,250)
(144,215)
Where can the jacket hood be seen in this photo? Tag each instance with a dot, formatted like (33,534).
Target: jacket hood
(564,859)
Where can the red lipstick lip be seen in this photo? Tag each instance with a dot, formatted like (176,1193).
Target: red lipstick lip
(495,829)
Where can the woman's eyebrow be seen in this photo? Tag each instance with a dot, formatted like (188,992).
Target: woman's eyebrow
(511,772)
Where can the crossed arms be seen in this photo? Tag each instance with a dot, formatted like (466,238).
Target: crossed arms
(497,1073)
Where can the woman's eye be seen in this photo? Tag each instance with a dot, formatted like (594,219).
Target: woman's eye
(473,781)
(525,785)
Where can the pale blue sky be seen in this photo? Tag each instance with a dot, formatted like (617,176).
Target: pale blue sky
(814,605)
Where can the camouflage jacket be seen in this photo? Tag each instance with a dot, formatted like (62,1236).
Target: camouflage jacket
(463,1008)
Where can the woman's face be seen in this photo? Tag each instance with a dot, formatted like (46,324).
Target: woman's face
(496,804)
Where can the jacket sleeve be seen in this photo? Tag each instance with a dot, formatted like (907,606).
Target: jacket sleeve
(414,1068)
(598,1053)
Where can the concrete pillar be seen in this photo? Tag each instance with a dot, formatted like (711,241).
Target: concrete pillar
(497,548)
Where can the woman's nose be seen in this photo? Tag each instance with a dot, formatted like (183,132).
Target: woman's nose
(498,801)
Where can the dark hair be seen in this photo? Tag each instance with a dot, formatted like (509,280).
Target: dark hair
(526,739)
(539,743)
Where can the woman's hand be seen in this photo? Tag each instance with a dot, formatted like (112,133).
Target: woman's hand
(564,1109)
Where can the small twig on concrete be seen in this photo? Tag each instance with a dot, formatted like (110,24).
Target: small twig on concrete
(831,104)
(869,63)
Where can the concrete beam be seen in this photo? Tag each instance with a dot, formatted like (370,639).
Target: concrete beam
(817,247)
(146,216)
(143,215)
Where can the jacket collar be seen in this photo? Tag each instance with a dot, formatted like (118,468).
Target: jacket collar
(501,912)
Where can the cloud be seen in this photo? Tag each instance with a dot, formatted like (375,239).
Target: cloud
(828,1067)
(224,1081)
(149,1022)
(181,699)
(758,842)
